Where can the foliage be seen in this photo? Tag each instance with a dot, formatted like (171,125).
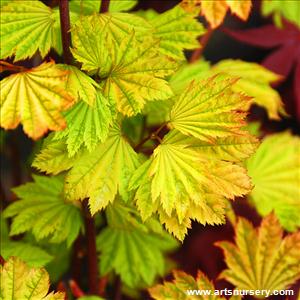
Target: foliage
(43,211)
(262,259)
(276,178)
(18,281)
(145,141)
(177,289)
(132,248)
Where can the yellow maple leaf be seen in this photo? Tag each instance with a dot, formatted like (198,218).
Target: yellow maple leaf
(261,259)
(35,97)
(18,281)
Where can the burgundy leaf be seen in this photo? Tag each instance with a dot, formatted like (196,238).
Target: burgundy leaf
(265,37)
(281,60)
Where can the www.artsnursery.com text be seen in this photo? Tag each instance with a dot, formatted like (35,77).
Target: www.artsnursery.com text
(228,292)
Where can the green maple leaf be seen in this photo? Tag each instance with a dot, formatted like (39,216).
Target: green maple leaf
(289,10)
(132,73)
(177,289)
(36,97)
(275,173)
(132,249)
(102,173)
(177,30)
(18,281)
(262,260)
(53,157)
(43,211)
(27,26)
(208,109)
(87,125)
(184,185)
(79,85)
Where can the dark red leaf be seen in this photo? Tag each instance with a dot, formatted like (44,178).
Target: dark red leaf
(281,61)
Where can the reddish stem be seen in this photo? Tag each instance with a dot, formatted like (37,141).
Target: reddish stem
(65,30)
(90,232)
(203,43)
(75,289)
(104,6)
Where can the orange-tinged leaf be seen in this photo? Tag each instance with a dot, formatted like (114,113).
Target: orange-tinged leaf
(35,97)
(241,8)
(214,11)
(261,259)
(185,287)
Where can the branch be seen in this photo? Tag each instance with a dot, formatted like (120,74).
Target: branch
(118,289)
(203,43)
(90,232)
(65,30)
(104,6)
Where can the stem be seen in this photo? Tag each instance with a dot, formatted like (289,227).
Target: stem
(65,30)
(104,6)
(203,43)
(118,288)
(91,249)
(153,135)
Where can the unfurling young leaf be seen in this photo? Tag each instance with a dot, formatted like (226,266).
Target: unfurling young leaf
(133,249)
(101,174)
(18,281)
(43,211)
(275,173)
(35,98)
(185,287)
(263,259)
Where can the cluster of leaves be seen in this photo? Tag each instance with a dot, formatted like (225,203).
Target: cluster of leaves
(259,260)
(129,75)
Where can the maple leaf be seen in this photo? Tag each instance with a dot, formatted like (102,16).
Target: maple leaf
(87,125)
(53,157)
(79,85)
(286,45)
(43,211)
(181,284)
(254,81)
(184,185)
(27,26)
(208,109)
(275,172)
(215,11)
(133,249)
(89,7)
(289,10)
(18,281)
(177,30)
(104,172)
(36,98)
(132,73)
(262,260)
